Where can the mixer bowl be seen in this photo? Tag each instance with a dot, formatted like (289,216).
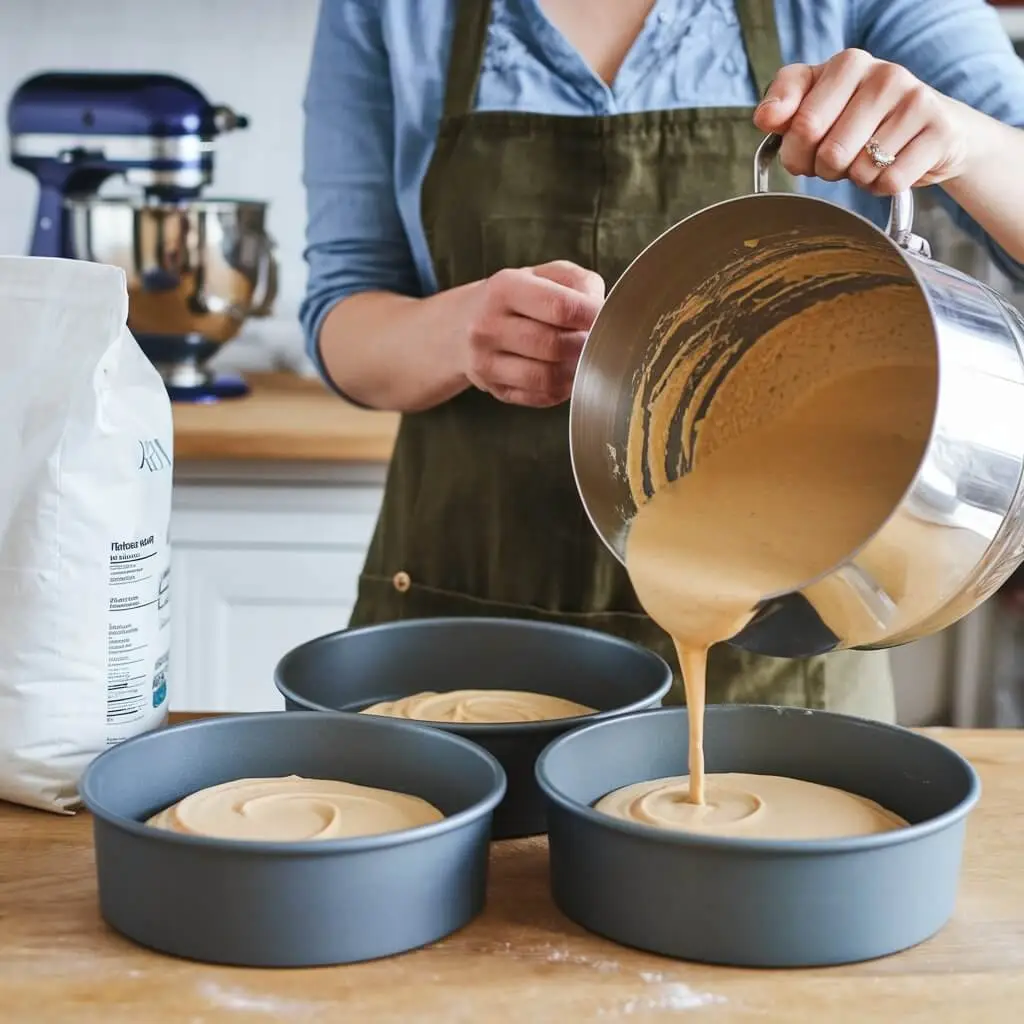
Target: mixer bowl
(196,269)
(957,533)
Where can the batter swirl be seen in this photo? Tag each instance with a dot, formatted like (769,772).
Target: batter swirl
(294,809)
(751,807)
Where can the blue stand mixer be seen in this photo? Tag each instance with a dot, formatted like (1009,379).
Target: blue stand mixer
(197,268)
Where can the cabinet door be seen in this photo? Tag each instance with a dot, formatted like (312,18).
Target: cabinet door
(253,575)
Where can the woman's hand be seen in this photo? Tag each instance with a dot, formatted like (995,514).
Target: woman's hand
(517,335)
(831,114)
(526,329)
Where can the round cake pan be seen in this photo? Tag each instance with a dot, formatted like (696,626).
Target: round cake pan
(352,669)
(758,903)
(263,904)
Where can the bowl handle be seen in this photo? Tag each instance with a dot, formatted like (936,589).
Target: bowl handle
(901,209)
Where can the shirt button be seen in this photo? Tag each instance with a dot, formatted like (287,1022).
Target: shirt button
(401,582)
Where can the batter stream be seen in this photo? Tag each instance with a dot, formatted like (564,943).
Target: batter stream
(805,450)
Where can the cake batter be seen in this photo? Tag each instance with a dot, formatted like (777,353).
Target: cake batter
(811,440)
(480,706)
(294,810)
(752,807)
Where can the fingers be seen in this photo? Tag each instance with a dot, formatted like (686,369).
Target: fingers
(539,298)
(907,134)
(913,165)
(512,378)
(827,114)
(526,339)
(520,336)
(572,275)
(784,96)
(513,396)
(833,89)
(872,103)
(524,362)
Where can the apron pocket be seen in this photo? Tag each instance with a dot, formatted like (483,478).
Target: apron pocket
(516,241)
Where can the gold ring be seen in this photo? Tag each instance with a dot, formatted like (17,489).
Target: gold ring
(879,157)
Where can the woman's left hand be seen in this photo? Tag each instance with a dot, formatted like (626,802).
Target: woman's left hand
(830,116)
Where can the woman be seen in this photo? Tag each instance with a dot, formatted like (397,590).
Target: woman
(479,170)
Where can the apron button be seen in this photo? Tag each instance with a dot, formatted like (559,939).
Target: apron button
(401,582)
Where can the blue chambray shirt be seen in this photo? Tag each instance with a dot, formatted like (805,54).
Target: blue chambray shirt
(376,89)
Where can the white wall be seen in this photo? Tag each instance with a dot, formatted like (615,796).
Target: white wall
(248,54)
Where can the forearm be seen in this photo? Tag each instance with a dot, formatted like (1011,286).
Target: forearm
(393,352)
(991,187)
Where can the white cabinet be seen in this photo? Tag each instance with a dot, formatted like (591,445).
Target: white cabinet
(261,563)
(947,679)
(922,675)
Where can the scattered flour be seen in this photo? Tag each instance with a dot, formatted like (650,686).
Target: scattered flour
(240,1001)
(563,956)
(664,996)
(673,995)
(668,997)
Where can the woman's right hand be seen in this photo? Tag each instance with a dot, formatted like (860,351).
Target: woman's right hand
(526,331)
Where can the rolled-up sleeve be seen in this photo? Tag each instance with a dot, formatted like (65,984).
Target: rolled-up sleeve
(958,47)
(355,239)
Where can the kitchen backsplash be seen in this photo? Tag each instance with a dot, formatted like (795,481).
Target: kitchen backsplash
(249,54)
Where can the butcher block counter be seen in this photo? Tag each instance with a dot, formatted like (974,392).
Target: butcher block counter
(521,961)
(286,417)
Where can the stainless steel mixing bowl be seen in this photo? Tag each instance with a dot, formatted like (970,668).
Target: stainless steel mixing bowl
(961,513)
(198,268)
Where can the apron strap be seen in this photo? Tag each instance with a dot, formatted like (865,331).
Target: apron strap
(760,39)
(469,38)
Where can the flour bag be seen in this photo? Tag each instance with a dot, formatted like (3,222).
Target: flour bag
(85,502)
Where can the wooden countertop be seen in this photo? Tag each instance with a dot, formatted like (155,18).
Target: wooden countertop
(285,418)
(521,961)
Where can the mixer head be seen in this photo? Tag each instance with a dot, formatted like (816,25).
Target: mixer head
(155,130)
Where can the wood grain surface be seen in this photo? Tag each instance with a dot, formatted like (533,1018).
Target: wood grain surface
(521,961)
(285,418)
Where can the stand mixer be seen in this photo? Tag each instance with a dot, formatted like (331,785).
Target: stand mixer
(197,268)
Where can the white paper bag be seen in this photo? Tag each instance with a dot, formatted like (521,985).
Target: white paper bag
(85,500)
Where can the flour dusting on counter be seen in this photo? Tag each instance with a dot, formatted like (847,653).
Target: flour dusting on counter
(563,956)
(237,999)
(669,997)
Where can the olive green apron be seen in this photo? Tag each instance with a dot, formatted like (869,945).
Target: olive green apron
(481,515)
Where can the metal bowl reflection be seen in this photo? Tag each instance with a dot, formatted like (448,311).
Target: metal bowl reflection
(198,268)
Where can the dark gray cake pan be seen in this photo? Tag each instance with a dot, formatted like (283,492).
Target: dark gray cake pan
(758,903)
(352,669)
(264,904)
